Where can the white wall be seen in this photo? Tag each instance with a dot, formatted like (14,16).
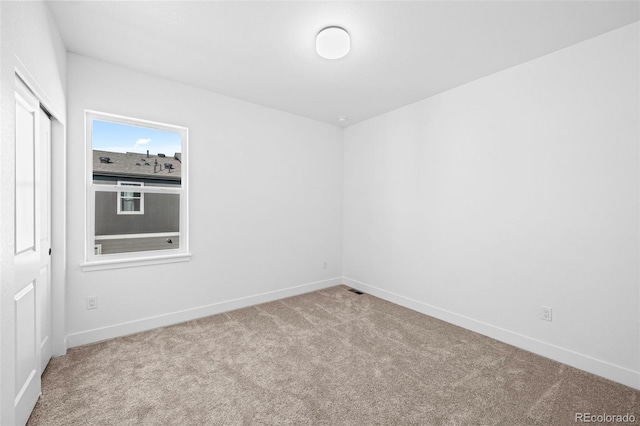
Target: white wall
(30,43)
(517,190)
(265,205)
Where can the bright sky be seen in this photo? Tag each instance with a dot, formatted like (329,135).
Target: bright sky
(116,137)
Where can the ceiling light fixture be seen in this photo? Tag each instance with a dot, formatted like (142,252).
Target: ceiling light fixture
(333,43)
(341,119)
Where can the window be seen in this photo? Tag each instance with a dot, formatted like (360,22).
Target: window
(130,202)
(140,167)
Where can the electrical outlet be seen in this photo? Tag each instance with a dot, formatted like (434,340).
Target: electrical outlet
(325,264)
(92,302)
(545,313)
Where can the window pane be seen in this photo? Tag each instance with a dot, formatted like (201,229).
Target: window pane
(128,154)
(130,204)
(157,229)
(130,194)
(139,155)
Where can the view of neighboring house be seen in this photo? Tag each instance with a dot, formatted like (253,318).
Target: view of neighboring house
(129,221)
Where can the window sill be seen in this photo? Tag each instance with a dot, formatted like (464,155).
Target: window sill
(100,265)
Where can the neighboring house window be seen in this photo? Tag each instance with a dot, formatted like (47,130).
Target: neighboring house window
(130,202)
(141,167)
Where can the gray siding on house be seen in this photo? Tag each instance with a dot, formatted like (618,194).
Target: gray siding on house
(161,214)
(128,245)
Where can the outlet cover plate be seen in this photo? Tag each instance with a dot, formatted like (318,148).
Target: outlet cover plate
(545,313)
(92,302)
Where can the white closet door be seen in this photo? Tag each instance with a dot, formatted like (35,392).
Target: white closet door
(28,251)
(44,285)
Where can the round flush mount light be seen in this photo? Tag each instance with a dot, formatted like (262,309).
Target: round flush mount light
(341,119)
(333,43)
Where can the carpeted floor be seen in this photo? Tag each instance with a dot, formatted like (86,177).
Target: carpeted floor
(330,357)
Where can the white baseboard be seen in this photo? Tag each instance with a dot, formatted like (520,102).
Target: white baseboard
(123,329)
(583,362)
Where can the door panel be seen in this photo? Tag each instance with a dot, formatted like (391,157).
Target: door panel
(44,311)
(25,174)
(25,305)
(27,259)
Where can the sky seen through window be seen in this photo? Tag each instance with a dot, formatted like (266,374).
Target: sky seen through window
(116,137)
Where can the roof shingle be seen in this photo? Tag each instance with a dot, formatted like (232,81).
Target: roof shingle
(132,164)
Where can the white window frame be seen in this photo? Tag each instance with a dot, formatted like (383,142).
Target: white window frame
(120,197)
(93,259)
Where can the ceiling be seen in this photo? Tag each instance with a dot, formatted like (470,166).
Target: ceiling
(264,51)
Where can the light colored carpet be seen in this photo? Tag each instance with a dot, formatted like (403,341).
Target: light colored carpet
(330,357)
